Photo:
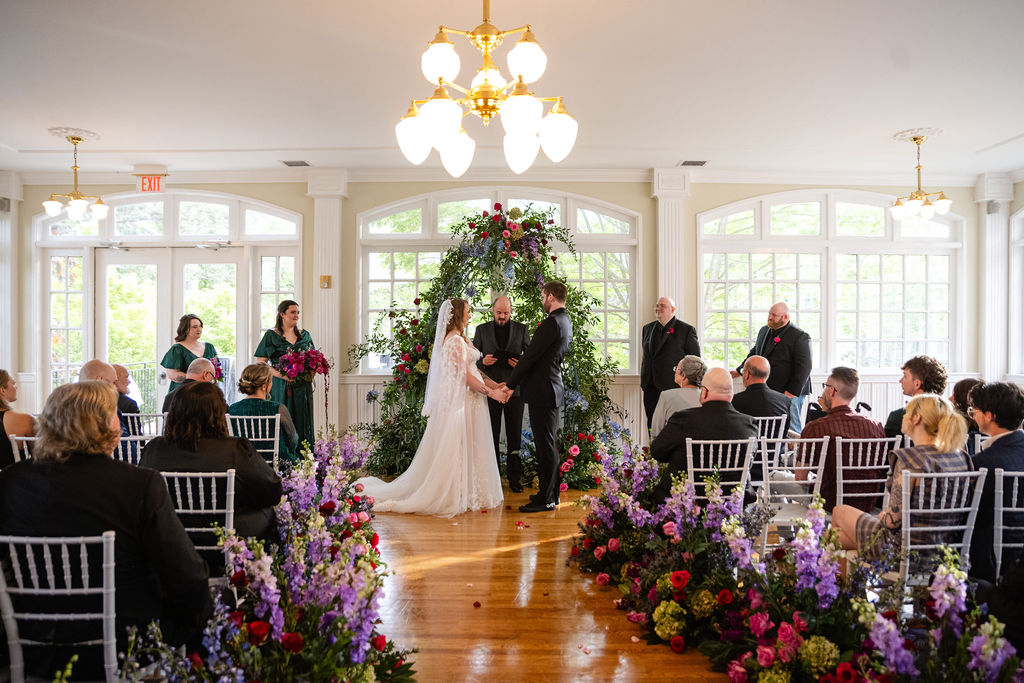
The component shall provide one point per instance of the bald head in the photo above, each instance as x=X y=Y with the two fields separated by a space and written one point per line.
x=756 y=370
x=97 y=369
x=201 y=370
x=502 y=310
x=664 y=310
x=717 y=384
x=122 y=378
x=778 y=315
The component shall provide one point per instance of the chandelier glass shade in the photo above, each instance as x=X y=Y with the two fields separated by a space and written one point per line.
x=436 y=123
x=920 y=203
x=78 y=204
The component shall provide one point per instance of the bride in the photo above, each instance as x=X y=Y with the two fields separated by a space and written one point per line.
x=454 y=468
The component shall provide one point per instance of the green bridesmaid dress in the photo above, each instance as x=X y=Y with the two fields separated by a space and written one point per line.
x=296 y=396
x=179 y=358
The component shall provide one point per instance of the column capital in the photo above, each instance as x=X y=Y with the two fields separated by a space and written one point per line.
x=670 y=183
x=327 y=182
x=993 y=187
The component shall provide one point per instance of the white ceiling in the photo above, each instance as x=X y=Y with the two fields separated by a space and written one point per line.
x=754 y=87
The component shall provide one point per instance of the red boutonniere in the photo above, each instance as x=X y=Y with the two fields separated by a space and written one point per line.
x=778 y=339
x=670 y=330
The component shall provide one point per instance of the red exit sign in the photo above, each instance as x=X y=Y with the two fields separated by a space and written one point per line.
x=150 y=183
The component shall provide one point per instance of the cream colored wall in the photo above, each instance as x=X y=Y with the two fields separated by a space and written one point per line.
x=1018 y=198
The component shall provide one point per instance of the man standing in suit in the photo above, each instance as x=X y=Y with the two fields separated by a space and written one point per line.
x=502 y=342
x=539 y=378
x=788 y=348
x=665 y=341
x=714 y=419
x=758 y=399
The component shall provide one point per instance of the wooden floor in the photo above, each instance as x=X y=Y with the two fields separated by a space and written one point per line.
x=538 y=619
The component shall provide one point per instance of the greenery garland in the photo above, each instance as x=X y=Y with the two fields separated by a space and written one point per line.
x=499 y=251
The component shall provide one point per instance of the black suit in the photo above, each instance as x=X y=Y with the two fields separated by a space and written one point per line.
x=758 y=400
x=1006 y=452
x=485 y=339
x=159 y=575
x=662 y=351
x=539 y=378
x=790 y=358
x=712 y=420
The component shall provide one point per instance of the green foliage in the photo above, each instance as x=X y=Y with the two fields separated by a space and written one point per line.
x=496 y=252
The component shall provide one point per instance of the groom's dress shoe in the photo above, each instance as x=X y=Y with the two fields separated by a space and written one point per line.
x=516 y=487
x=537 y=506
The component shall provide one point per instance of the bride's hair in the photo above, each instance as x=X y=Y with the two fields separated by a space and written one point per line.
x=459 y=309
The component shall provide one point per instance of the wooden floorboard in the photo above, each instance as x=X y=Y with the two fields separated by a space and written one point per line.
x=538 y=620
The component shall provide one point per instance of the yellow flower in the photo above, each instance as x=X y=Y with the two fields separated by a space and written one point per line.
x=422 y=366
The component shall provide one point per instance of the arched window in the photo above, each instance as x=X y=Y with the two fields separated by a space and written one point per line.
x=401 y=245
x=871 y=292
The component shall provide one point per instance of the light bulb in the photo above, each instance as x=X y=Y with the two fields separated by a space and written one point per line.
x=492 y=75
x=457 y=153
x=413 y=139
x=440 y=60
x=521 y=151
x=520 y=114
x=943 y=204
x=558 y=133
x=100 y=210
x=898 y=211
x=527 y=59
x=442 y=118
x=53 y=207
x=927 y=210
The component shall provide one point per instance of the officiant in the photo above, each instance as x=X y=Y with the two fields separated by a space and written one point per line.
x=501 y=343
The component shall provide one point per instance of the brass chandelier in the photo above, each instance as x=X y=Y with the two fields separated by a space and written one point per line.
x=79 y=203
x=919 y=202
x=436 y=122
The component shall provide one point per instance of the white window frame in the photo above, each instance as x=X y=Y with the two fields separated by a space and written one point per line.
x=431 y=239
x=1015 y=326
x=829 y=244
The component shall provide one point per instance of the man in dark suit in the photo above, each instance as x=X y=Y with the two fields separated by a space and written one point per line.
x=664 y=341
x=539 y=378
x=199 y=370
x=502 y=343
x=758 y=399
x=126 y=405
x=714 y=419
x=998 y=408
x=788 y=349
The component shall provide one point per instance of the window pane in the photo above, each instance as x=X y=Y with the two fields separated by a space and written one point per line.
x=58 y=310
x=260 y=223
x=761 y=265
x=714 y=266
x=802 y=218
x=593 y=266
x=810 y=267
x=65 y=227
x=203 y=218
x=405 y=265
x=740 y=223
x=592 y=222
x=380 y=295
x=915 y=226
x=714 y=227
x=380 y=265
x=859 y=220
x=131 y=313
x=429 y=264
x=619 y=352
x=268 y=273
x=785 y=266
x=870 y=267
x=268 y=310
x=58 y=273
x=450 y=213
x=739 y=266
x=404 y=223
x=210 y=293
x=539 y=206
x=146 y=218
x=74 y=310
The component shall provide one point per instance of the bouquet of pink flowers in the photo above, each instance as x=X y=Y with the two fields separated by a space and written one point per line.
x=302 y=366
x=218 y=369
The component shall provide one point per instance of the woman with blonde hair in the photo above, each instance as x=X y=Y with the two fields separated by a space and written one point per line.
x=939 y=433
x=72 y=487
x=454 y=468
x=255 y=384
x=12 y=423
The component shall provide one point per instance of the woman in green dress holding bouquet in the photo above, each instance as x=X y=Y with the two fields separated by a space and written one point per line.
x=186 y=349
x=296 y=393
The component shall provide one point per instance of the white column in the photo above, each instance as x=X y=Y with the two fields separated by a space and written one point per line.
x=327 y=187
x=993 y=194
x=671 y=187
x=10 y=246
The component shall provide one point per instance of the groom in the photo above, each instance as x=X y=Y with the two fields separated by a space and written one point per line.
x=539 y=378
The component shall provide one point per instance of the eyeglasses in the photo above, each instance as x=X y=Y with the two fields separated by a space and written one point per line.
x=970 y=411
x=826 y=385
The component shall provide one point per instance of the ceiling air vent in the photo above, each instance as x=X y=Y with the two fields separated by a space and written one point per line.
x=295 y=163
x=691 y=163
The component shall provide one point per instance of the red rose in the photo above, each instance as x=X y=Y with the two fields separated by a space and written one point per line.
x=414 y=322
x=472 y=225
x=391 y=314
x=374 y=540
x=476 y=604
x=590 y=438
x=551 y=221
x=484 y=234
x=380 y=642
x=597 y=480
x=401 y=331
x=239 y=579
x=196 y=661
x=554 y=258
x=581 y=436
x=679 y=579
x=778 y=339
x=724 y=596
x=497 y=206
x=484 y=214
x=778 y=554
x=334 y=550
x=495 y=218
x=258 y=631
x=236 y=618
x=588 y=543
x=827 y=678
x=597 y=457
x=405 y=356
x=544 y=242
x=328 y=508
x=574 y=551
x=679 y=596
x=677 y=644
x=292 y=642
x=416 y=301
x=845 y=673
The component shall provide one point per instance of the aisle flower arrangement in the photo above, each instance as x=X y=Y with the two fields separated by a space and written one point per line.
x=307 y=607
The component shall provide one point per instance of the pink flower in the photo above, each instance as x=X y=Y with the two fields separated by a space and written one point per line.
x=669 y=528
x=786 y=652
x=419 y=347
x=602 y=579
x=599 y=552
x=637 y=617
x=506 y=234
x=353 y=518
x=777 y=340
x=798 y=623
x=789 y=636
x=570 y=462
x=565 y=467
x=765 y=655
x=359 y=488
x=563 y=487
x=513 y=254
x=613 y=544
x=736 y=671
x=363 y=517
x=574 y=450
x=760 y=622
x=652 y=595
x=755 y=598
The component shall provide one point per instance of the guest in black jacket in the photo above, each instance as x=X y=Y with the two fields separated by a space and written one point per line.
x=758 y=399
x=196 y=440
x=72 y=487
x=998 y=408
x=664 y=343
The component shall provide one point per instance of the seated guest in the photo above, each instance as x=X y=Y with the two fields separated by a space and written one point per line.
x=195 y=439
x=12 y=423
x=689 y=373
x=72 y=487
x=938 y=433
x=97 y=370
x=838 y=393
x=758 y=399
x=961 y=391
x=921 y=375
x=714 y=419
x=998 y=408
x=255 y=384
x=126 y=405
x=199 y=370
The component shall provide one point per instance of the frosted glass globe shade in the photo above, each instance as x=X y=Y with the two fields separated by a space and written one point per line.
x=52 y=207
x=413 y=139
x=558 y=135
x=913 y=206
x=440 y=61
x=457 y=153
x=441 y=119
x=493 y=76
x=897 y=211
x=520 y=115
x=927 y=211
x=528 y=60
x=77 y=208
x=100 y=210
x=521 y=151
x=943 y=204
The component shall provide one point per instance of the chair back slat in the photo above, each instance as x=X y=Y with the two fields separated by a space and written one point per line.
x=129 y=448
x=792 y=479
x=730 y=458
x=145 y=424
x=770 y=427
x=862 y=468
x=197 y=502
x=262 y=430
x=1009 y=517
x=22 y=446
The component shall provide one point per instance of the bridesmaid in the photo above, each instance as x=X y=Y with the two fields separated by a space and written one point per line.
x=186 y=349
x=297 y=396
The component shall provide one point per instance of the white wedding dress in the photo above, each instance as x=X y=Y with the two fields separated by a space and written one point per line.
x=454 y=468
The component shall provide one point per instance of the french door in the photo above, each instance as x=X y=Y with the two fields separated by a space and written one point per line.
x=140 y=295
